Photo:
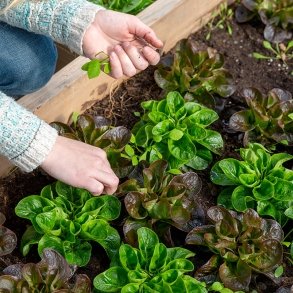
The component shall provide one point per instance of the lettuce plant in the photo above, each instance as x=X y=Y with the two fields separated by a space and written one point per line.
x=162 y=197
x=97 y=131
x=277 y=15
x=241 y=243
x=268 y=120
x=65 y=218
x=51 y=275
x=8 y=239
x=197 y=75
x=151 y=268
x=176 y=131
x=126 y=6
x=259 y=181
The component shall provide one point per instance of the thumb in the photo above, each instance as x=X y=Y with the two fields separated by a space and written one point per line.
x=139 y=29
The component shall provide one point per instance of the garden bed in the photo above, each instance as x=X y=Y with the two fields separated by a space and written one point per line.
x=246 y=71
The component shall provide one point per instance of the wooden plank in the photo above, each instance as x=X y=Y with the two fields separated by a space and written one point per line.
x=70 y=90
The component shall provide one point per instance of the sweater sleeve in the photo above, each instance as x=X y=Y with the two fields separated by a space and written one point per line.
x=24 y=139
x=65 y=21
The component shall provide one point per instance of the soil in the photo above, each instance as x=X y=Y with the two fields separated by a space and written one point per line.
x=121 y=105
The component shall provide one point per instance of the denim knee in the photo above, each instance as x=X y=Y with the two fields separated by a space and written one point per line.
x=27 y=60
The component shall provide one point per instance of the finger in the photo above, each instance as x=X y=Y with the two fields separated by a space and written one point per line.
x=135 y=56
x=127 y=66
x=146 y=33
x=109 y=180
x=93 y=186
x=116 y=68
x=151 y=55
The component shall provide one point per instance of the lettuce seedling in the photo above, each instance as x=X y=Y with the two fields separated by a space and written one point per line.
x=95 y=66
x=177 y=131
x=97 y=131
x=259 y=181
x=126 y=6
x=8 y=239
x=151 y=268
x=162 y=197
x=275 y=14
x=268 y=120
x=65 y=219
x=242 y=244
x=197 y=75
x=51 y=275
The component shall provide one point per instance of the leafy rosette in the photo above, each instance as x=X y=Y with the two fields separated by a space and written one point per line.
x=51 y=275
x=8 y=239
x=128 y=6
x=242 y=244
x=259 y=181
x=275 y=14
x=65 y=219
x=198 y=75
x=268 y=120
x=98 y=132
x=161 y=200
x=177 y=131
x=151 y=268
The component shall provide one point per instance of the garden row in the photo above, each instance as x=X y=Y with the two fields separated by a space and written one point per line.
x=159 y=199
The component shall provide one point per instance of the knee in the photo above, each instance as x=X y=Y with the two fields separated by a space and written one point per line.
x=31 y=69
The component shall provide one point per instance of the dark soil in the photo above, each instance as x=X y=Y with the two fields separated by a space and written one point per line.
x=121 y=105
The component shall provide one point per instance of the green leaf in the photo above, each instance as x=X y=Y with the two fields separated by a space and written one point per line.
x=182 y=149
x=29 y=207
x=176 y=134
x=129 y=257
x=112 y=280
x=93 y=68
x=147 y=240
x=241 y=197
x=78 y=253
x=279 y=271
x=204 y=117
x=29 y=238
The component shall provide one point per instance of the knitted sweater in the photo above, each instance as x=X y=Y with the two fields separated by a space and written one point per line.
x=25 y=139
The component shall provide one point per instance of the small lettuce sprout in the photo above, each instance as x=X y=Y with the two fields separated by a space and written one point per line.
x=221 y=19
x=95 y=66
x=161 y=200
x=177 y=131
x=51 y=275
x=275 y=14
x=259 y=181
x=242 y=244
x=126 y=6
x=197 y=75
x=8 y=239
x=98 y=132
x=269 y=119
x=66 y=219
x=151 y=268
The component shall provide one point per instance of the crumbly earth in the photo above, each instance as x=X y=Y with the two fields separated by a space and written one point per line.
x=120 y=107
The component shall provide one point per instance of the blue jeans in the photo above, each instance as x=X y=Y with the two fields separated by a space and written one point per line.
x=27 y=60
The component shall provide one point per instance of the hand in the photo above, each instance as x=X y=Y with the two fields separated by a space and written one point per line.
x=81 y=165
x=130 y=43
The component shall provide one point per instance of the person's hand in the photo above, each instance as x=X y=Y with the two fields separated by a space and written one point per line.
x=81 y=165
x=130 y=43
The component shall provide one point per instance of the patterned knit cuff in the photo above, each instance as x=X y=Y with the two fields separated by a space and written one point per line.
x=38 y=150
x=83 y=18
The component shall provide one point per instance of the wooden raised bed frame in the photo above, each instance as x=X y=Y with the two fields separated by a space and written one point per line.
x=70 y=90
